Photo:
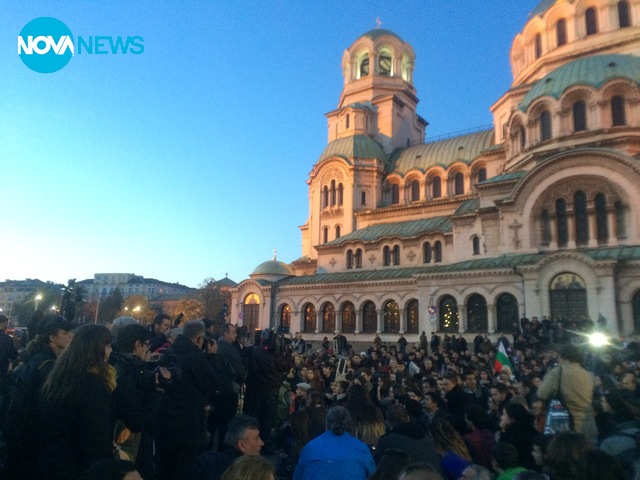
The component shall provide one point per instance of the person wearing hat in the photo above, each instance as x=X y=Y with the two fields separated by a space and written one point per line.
x=53 y=335
x=302 y=390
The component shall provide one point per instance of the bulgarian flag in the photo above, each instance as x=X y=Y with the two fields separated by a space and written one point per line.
x=501 y=359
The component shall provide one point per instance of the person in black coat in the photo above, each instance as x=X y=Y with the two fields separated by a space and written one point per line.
x=76 y=415
x=517 y=428
x=180 y=426
x=137 y=395
x=408 y=437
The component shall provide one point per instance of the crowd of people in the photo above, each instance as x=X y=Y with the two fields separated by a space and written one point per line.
x=195 y=401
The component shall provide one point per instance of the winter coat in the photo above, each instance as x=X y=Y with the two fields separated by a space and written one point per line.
x=410 y=438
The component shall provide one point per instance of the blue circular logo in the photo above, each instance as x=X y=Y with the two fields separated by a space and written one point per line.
x=45 y=45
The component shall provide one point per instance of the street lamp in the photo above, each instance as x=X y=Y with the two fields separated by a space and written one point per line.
x=38 y=298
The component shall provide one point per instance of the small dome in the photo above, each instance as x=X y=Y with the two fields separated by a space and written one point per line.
x=593 y=71
x=273 y=267
x=542 y=7
x=358 y=146
x=378 y=32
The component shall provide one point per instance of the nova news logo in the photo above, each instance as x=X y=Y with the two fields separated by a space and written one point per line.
x=46 y=45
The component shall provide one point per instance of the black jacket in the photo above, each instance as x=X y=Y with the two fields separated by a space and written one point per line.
x=211 y=465
x=182 y=410
x=230 y=367
x=410 y=438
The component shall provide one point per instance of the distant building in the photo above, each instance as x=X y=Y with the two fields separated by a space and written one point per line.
x=19 y=291
x=537 y=216
x=104 y=284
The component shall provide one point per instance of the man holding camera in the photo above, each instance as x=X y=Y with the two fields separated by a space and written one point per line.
x=232 y=373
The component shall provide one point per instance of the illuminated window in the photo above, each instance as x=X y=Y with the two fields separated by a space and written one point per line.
x=309 y=318
x=449 y=316
x=285 y=316
x=348 y=318
x=251 y=311
x=328 y=318
x=391 y=317
x=413 y=317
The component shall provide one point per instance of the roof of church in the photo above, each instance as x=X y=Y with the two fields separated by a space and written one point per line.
x=542 y=7
x=358 y=146
x=378 y=32
x=463 y=148
x=495 y=263
x=409 y=229
x=273 y=267
x=593 y=71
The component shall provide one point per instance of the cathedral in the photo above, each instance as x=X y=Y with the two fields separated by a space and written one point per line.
x=537 y=216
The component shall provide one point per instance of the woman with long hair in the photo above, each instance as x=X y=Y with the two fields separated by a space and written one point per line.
x=315 y=380
x=454 y=454
x=76 y=414
x=516 y=425
x=367 y=419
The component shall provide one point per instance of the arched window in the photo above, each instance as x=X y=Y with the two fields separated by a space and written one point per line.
x=348 y=318
x=337 y=231
x=333 y=192
x=251 y=312
x=346 y=122
x=561 y=32
x=369 y=318
x=545 y=125
x=426 y=252
x=413 y=317
x=523 y=139
x=449 y=316
x=438 y=251
x=415 y=191
x=386 y=256
x=396 y=255
x=475 y=241
x=507 y=312
x=546 y=227
x=538 y=45
x=458 y=183
x=325 y=234
x=436 y=187
x=325 y=197
x=482 y=174
x=285 y=316
x=340 y=193
x=580 y=214
x=621 y=229
x=359 y=258
x=349 y=259
x=391 y=317
x=591 y=21
x=477 y=314
x=395 y=194
x=623 y=14
x=364 y=67
x=618 y=117
x=363 y=198
x=579 y=116
x=328 y=318
x=309 y=324
x=601 y=218
x=384 y=64
x=561 y=222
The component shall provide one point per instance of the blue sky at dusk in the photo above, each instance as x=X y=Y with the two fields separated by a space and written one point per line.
x=189 y=160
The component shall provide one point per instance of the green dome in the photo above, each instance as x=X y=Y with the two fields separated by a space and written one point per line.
x=593 y=71
x=358 y=146
x=273 y=267
x=542 y=7
x=378 y=32
x=442 y=153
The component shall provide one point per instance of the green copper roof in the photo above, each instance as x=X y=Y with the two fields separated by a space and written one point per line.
x=273 y=267
x=443 y=152
x=409 y=229
x=378 y=32
x=593 y=71
x=542 y=7
x=504 y=262
x=358 y=146
x=505 y=177
x=469 y=206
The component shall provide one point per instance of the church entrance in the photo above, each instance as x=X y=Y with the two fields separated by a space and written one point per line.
x=568 y=298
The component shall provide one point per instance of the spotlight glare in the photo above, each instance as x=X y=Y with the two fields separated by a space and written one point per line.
x=598 y=339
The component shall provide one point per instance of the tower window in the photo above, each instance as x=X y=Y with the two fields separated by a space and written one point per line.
x=591 y=21
x=538 y=45
x=346 y=121
x=349 y=259
x=623 y=14
x=325 y=234
x=395 y=194
x=580 y=214
x=396 y=255
x=386 y=256
x=337 y=231
x=545 y=125
x=359 y=258
x=579 y=116
x=438 y=251
x=482 y=174
x=426 y=252
x=436 y=187
x=364 y=67
x=415 y=191
x=458 y=183
x=340 y=193
x=476 y=245
x=523 y=139
x=561 y=32
x=363 y=198
x=384 y=64
x=618 y=117
x=561 y=222
x=325 y=197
